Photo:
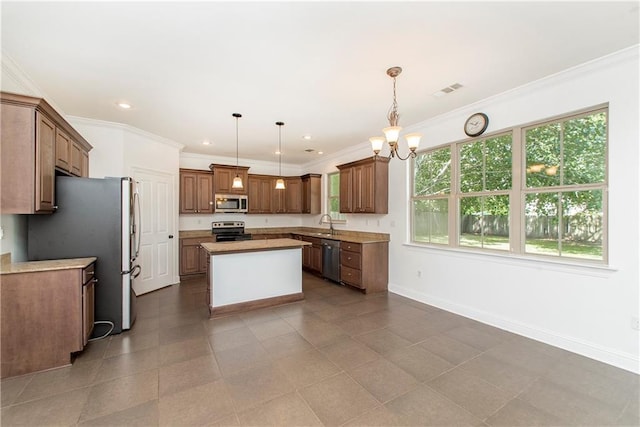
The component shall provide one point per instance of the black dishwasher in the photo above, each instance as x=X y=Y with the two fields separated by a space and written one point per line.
x=331 y=259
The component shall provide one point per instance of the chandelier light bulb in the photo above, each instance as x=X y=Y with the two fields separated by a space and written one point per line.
x=376 y=143
x=413 y=140
x=392 y=133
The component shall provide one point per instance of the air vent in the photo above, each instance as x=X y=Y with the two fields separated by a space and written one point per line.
x=446 y=90
x=309 y=150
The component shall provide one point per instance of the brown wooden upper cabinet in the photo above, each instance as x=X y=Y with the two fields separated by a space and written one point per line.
x=223 y=178
x=364 y=186
x=311 y=193
x=36 y=142
x=293 y=194
x=196 y=192
x=260 y=189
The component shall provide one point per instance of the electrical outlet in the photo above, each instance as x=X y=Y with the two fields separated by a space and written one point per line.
x=1 y=233
x=199 y=221
x=266 y=220
x=635 y=323
x=419 y=273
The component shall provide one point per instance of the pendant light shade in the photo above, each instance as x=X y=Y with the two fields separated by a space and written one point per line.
x=237 y=181
x=280 y=181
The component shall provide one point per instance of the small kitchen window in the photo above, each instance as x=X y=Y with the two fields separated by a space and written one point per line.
x=333 y=197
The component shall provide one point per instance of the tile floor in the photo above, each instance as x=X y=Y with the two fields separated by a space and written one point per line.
x=338 y=358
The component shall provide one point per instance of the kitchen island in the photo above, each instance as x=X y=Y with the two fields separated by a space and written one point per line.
x=251 y=274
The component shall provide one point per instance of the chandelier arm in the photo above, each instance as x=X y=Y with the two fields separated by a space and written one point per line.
x=412 y=154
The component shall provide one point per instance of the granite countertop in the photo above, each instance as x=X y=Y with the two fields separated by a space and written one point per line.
x=46 y=265
x=222 y=248
x=321 y=233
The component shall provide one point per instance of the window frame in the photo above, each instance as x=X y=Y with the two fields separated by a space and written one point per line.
x=517 y=194
x=341 y=218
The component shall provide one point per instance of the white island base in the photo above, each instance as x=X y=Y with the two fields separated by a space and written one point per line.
x=253 y=274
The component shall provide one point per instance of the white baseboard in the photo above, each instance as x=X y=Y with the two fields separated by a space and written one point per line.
x=626 y=361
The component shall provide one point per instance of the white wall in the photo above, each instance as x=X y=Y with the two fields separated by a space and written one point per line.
x=585 y=310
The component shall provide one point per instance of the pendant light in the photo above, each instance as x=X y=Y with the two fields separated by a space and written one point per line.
x=392 y=133
x=237 y=181
x=279 y=181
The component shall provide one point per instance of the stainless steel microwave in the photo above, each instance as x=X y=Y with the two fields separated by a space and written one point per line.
x=231 y=203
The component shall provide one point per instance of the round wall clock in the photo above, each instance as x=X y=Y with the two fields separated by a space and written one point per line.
x=476 y=124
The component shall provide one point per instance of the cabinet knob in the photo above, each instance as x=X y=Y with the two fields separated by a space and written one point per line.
x=55 y=208
x=171 y=236
x=349 y=258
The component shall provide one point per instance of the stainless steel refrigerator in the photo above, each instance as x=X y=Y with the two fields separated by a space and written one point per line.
x=95 y=217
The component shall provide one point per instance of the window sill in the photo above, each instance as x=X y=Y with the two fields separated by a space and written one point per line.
x=565 y=266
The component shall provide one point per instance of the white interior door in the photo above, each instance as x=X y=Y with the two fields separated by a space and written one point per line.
x=156 y=257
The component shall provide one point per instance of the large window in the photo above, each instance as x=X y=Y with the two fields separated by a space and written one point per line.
x=536 y=190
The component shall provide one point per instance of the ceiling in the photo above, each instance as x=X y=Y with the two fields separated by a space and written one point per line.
x=318 y=66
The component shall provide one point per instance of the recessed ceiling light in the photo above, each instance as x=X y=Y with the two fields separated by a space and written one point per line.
x=278 y=153
x=307 y=137
x=320 y=152
x=124 y=105
x=206 y=142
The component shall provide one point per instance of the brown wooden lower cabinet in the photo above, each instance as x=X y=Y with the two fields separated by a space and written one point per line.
x=311 y=255
x=46 y=316
x=365 y=265
x=193 y=259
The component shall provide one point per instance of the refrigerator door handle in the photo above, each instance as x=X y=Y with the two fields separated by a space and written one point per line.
x=134 y=272
x=137 y=227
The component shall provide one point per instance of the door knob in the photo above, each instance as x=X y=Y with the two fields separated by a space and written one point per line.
x=171 y=236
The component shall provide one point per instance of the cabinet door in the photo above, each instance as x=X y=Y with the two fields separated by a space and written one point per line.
x=188 y=192
x=316 y=258
x=63 y=149
x=76 y=159
x=204 y=257
x=45 y=164
x=204 y=193
x=293 y=189
x=265 y=194
x=189 y=259
x=84 y=165
x=278 y=199
x=346 y=193
x=306 y=256
x=254 y=193
x=223 y=179
x=367 y=188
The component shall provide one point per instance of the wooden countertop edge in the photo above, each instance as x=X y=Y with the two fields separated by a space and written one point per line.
x=46 y=265
x=245 y=246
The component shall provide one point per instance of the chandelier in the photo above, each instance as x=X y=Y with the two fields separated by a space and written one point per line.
x=279 y=181
x=237 y=181
x=392 y=133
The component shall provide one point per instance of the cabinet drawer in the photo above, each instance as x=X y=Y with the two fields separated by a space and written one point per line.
x=350 y=259
x=353 y=247
x=88 y=273
x=351 y=276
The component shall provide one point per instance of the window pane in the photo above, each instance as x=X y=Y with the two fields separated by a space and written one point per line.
x=334 y=207
x=584 y=149
x=542 y=145
x=582 y=224
x=541 y=221
x=432 y=173
x=486 y=165
x=484 y=222
x=334 y=184
x=431 y=221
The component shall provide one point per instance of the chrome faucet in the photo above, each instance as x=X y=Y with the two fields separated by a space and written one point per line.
x=330 y=223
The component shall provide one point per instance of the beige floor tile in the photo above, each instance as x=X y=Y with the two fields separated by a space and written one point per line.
x=418 y=362
x=383 y=379
x=10 y=388
x=423 y=406
x=320 y=333
x=145 y=325
x=198 y=405
x=519 y=413
x=306 y=368
x=270 y=329
x=221 y=324
x=285 y=345
x=411 y=331
x=61 y=409
x=474 y=337
x=451 y=350
x=183 y=350
x=338 y=399
x=500 y=373
x=128 y=364
x=259 y=316
x=190 y=373
x=348 y=353
x=181 y=333
x=254 y=386
x=367 y=322
x=569 y=406
x=287 y=410
x=231 y=420
x=524 y=355
x=143 y=415
x=130 y=343
x=120 y=394
x=94 y=350
x=380 y=416
x=233 y=338
x=470 y=392
x=243 y=357
x=59 y=380
x=383 y=341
